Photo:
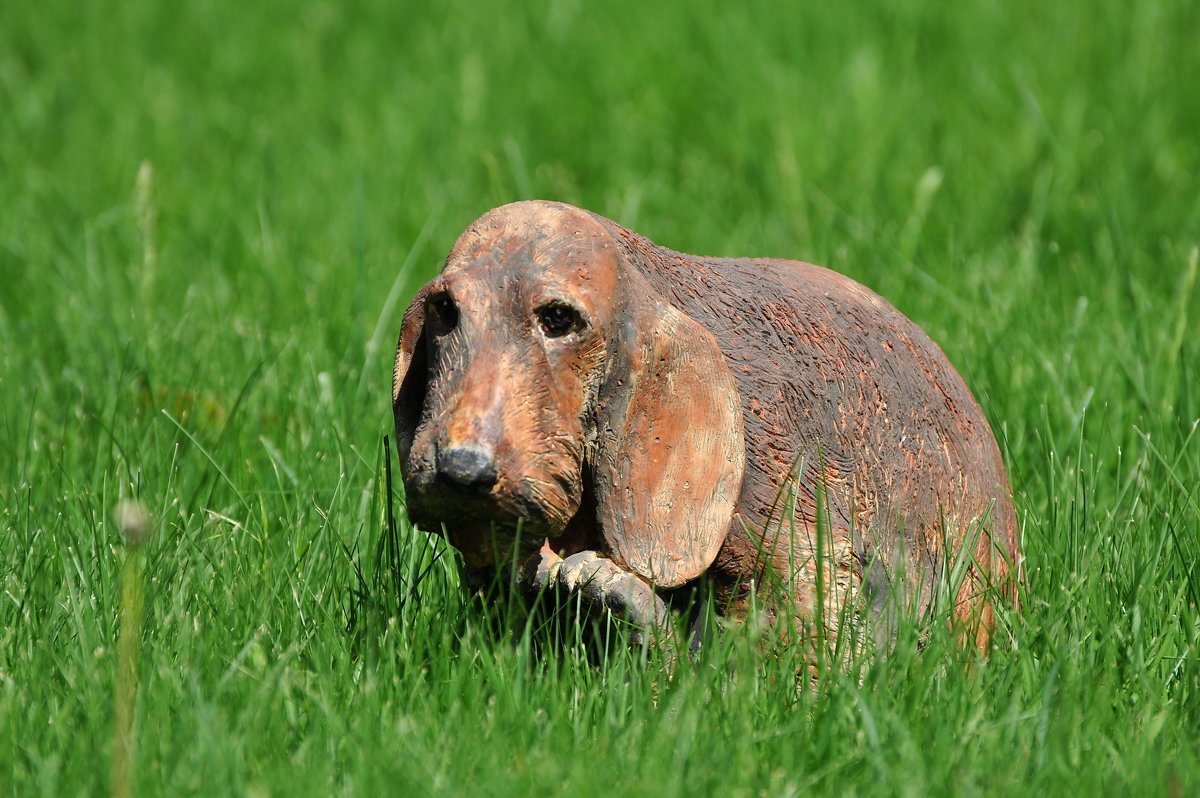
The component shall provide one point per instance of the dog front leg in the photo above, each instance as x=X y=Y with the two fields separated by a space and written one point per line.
x=603 y=584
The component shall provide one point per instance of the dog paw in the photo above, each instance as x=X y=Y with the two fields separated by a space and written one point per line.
x=602 y=583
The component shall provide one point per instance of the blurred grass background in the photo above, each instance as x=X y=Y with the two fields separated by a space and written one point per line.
x=212 y=216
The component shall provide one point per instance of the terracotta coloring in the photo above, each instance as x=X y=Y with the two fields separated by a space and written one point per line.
x=649 y=417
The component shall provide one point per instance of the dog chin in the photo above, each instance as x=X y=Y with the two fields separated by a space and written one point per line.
x=490 y=529
x=483 y=535
x=494 y=545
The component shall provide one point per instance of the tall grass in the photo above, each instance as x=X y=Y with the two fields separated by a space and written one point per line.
x=212 y=215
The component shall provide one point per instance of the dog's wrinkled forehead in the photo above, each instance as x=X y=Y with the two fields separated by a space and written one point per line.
x=532 y=251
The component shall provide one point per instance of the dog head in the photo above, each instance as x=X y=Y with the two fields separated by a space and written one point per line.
x=539 y=379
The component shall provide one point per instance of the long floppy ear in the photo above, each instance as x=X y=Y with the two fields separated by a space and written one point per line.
x=670 y=452
x=410 y=375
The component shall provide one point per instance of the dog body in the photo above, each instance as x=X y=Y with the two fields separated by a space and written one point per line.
x=652 y=416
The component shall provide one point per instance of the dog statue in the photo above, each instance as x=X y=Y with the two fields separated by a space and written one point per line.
x=617 y=419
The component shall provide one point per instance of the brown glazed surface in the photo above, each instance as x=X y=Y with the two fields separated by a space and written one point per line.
x=699 y=416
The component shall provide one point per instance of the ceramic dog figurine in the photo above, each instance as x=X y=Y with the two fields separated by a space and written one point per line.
x=646 y=417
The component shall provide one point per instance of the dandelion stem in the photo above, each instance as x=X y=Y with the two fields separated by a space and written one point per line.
x=134 y=524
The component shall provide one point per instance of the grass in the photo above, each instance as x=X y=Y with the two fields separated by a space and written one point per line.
x=212 y=216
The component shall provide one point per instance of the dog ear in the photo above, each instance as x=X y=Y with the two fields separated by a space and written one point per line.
x=410 y=375
x=669 y=452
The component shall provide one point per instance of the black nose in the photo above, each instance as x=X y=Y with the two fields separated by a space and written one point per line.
x=469 y=466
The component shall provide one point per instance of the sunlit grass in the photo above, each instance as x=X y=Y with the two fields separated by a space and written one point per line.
x=212 y=216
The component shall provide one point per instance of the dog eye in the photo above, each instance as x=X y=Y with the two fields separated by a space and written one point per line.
x=442 y=313
x=558 y=319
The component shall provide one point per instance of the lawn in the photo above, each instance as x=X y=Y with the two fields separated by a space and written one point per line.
x=212 y=216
